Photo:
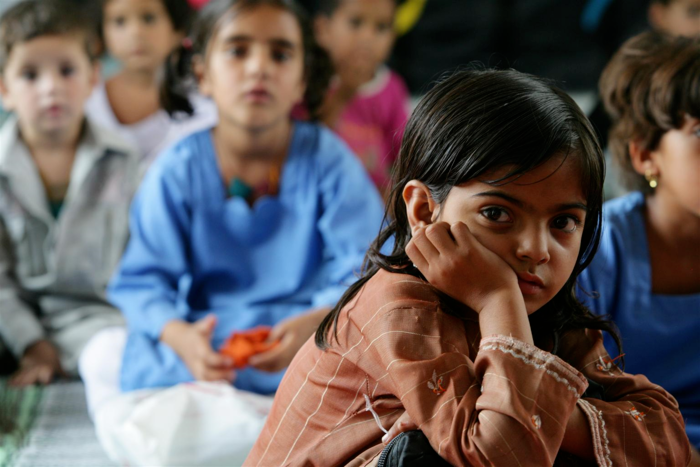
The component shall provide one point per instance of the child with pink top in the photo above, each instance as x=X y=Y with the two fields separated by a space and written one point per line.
x=368 y=103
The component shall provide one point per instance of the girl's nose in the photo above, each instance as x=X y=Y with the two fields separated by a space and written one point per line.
x=259 y=62
x=533 y=246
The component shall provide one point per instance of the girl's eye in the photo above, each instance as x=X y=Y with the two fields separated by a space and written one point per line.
x=355 y=23
x=383 y=27
x=280 y=55
x=693 y=12
x=67 y=70
x=149 y=18
x=696 y=132
x=29 y=75
x=496 y=215
x=119 y=21
x=567 y=224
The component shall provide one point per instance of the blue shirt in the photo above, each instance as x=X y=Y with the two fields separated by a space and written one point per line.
x=193 y=251
x=660 y=333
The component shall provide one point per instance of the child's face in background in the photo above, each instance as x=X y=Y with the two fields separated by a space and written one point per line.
x=254 y=67
x=677 y=162
x=533 y=223
x=139 y=33
x=360 y=32
x=679 y=17
x=46 y=81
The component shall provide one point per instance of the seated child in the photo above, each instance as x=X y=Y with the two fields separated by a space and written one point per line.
x=259 y=220
x=65 y=188
x=471 y=326
x=368 y=103
x=646 y=275
x=140 y=35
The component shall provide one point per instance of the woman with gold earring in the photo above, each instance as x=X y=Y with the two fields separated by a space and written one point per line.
x=646 y=273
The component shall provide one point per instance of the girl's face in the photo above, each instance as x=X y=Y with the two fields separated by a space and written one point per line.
x=676 y=160
x=534 y=224
x=679 y=17
x=254 y=67
x=139 y=33
x=360 y=31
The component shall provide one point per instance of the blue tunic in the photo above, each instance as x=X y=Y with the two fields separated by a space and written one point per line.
x=661 y=333
x=193 y=251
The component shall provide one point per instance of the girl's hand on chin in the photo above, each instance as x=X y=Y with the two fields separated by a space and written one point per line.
x=456 y=263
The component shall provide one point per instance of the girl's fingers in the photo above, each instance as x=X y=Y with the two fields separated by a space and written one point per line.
x=404 y=423
x=218 y=361
x=424 y=244
x=440 y=236
x=276 y=358
x=416 y=256
x=218 y=375
x=460 y=232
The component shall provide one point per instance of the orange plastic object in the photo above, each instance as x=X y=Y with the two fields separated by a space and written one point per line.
x=243 y=345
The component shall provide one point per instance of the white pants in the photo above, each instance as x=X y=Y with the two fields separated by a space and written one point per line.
x=100 y=366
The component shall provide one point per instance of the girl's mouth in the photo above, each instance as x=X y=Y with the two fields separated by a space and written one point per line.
x=529 y=288
x=258 y=96
x=529 y=284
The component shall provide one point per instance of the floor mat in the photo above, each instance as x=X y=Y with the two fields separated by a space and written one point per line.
x=18 y=409
x=62 y=434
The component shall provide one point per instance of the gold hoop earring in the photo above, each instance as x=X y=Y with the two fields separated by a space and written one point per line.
x=652 y=178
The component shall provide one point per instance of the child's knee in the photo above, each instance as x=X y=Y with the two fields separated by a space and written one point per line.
x=102 y=354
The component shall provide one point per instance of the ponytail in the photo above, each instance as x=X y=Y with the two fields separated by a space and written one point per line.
x=178 y=81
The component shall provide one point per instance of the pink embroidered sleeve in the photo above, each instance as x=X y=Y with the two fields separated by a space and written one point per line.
x=638 y=422
x=507 y=407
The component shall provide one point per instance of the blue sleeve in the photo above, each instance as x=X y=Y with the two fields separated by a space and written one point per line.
x=350 y=220
x=598 y=283
x=145 y=286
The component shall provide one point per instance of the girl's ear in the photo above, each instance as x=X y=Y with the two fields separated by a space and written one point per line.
x=642 y=159
x=420 y=205
x=657 y=15
x=5 y=97
x=321 y=27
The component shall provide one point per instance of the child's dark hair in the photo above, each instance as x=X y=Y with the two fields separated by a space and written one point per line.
x=180 y=13
x=328 y=7
x=30 y=19
x=648 y=87
x=178 y=80
x=470 y=124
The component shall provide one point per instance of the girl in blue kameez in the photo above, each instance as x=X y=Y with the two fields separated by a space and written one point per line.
x=646 y=273
x=260 y=220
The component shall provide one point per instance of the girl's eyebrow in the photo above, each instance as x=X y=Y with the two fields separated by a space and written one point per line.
x=277 y=42
x=527 y=206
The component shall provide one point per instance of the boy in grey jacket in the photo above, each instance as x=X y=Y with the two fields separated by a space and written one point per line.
x=65 y=188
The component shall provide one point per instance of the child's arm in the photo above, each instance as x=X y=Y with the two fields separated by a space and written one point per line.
x=638 y=422
x=145 y=287
x=506 y=406
x=20 y=328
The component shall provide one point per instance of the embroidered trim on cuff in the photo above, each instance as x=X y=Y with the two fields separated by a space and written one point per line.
x=598 y=432
x=531 y=355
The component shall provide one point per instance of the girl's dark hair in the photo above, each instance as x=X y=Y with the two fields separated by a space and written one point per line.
x=179 y=80
x=473 y=123
x=180 y=13
x=30 y=19
x=648 y=87
x=328 y=7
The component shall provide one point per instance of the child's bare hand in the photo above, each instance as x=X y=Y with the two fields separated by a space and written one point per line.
x=292 y=333
x=39 y=364
x=452 y=260
x=192 y=342
x=404 y=423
